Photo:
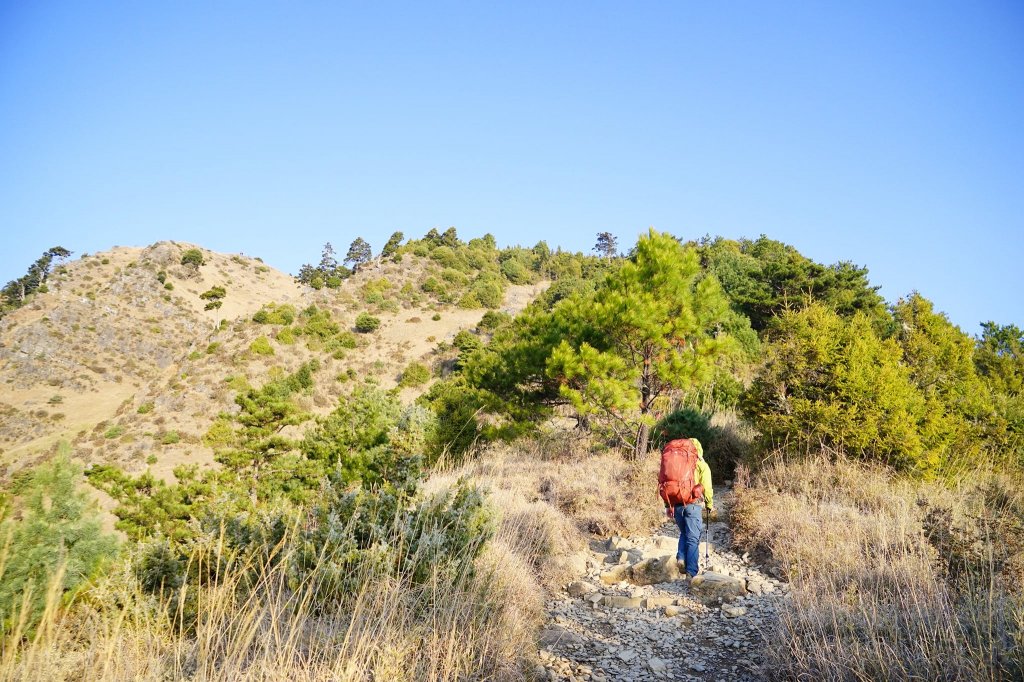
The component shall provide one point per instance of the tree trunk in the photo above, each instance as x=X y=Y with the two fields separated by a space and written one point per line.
x=642 y=441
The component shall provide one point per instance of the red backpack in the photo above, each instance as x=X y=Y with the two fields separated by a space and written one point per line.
x=677 y=473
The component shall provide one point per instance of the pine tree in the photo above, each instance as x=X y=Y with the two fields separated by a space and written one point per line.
x=359 y=253
x=58 y=528
x=16 y=291
x=328 y=261
x=259 y=442
x=648 y=331
x=392 y=245
x=607 y=245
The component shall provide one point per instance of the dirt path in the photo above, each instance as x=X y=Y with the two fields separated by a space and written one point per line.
x=632 y=618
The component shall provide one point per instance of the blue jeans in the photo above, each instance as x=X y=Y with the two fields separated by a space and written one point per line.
x=691 y=525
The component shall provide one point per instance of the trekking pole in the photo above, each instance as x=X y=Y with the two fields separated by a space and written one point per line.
x=707 y=534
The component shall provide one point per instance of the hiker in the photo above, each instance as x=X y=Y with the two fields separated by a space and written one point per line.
x=685 y=487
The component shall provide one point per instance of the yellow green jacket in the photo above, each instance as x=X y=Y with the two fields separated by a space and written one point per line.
x=703 y=475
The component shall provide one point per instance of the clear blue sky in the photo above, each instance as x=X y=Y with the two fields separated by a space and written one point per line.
x=890 y=134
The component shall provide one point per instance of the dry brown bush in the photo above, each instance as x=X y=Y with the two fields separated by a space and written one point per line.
x=878 y=592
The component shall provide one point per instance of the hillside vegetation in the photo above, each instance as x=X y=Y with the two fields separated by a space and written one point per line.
x=382 y=467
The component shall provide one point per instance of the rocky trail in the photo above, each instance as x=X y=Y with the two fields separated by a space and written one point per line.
x=632 y=616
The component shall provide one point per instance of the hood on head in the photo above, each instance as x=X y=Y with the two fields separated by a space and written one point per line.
x=700 y=448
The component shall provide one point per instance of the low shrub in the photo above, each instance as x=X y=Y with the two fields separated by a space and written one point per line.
x=261 y=346
x=416 y=374
x=366 y=323
x=192 y=257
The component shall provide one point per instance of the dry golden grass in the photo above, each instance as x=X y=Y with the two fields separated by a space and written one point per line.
x=551 y=490
x=888 y=583
x=254 y=623
x=481 y=626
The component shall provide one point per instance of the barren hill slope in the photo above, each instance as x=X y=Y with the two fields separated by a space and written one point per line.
x=123 y=357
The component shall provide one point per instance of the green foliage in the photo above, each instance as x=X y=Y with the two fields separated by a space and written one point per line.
x=651 y=328
x=214 y=297
x=55 y=528
x=273 y=313
x=360 y=535
x=286 y=336
x=366 y=323
x=455 y=405
x=607 y=245
x=259 y=461
x=454 y=277
x=318 y=324
x=368 y=437
x=261 y=346
x=999 y=357
x=213 y=293
x=683 y=422
x=415 y=374
x=377 y=292
x=391 y=247
x=327 y=272
x=169 y=438
x=493 y=319
x=220 y=434
x=148 y=505
x=516 y=271
x=359 y=253
x=489 y=289
x=763 y=277
x=192 y=258
x=833 y=382
x=14 y=293
x=114 y=431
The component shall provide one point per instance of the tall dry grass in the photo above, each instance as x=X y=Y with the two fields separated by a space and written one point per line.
x=255 y=622
x=562 y=486
x=892 y=580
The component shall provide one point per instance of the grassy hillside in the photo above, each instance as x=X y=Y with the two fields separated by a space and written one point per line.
x=392 y=470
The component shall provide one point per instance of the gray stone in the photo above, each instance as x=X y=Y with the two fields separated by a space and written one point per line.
x=665 y=542
x=657 y=602
x=595 y=599
x=733 y=611
x=711 y=586
x=671 y=611
x=619 y=602
x=653 y=571
x=579 y=589
x=657 y=665
x=554 y=635
x=617 y=574
x=616 y=543
x=626 y=655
